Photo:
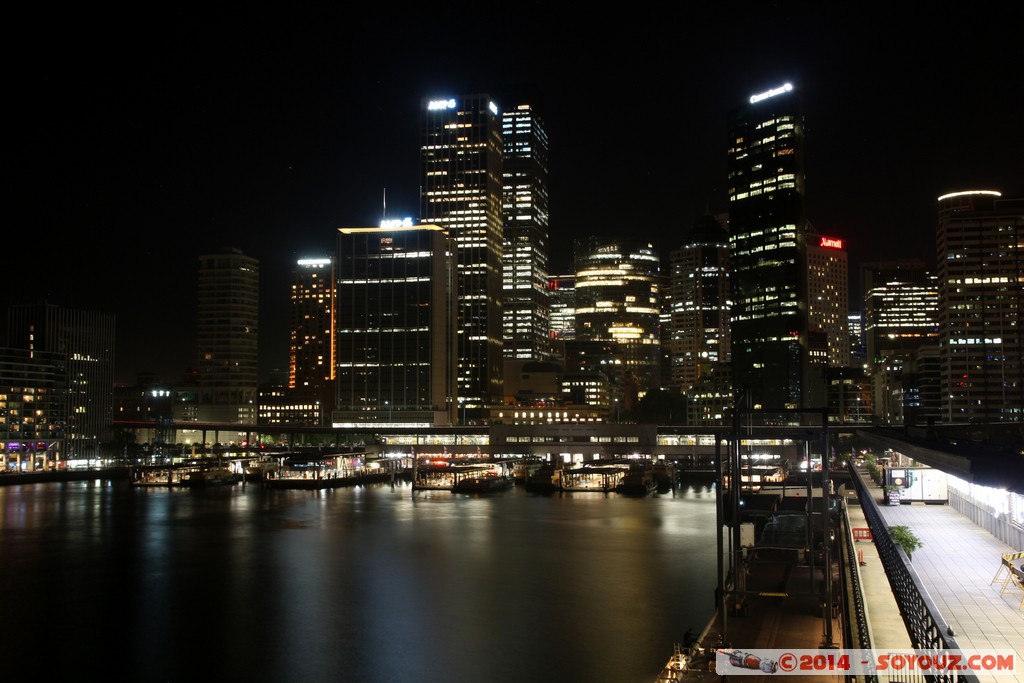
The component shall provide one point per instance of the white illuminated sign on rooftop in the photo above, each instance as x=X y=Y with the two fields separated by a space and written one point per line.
x=440 y=104
x=493 y=107
x=991 y=193
x=392 y=223
x=314 y=262
x=771 y=93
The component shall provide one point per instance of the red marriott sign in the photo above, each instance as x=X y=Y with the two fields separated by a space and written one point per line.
x=831 y=243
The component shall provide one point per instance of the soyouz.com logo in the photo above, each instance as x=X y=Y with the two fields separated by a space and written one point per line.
x=758 y=662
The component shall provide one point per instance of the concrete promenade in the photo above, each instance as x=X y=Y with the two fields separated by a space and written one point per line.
x=957 y=564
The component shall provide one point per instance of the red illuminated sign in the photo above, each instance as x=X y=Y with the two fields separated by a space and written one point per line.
x=831 y=243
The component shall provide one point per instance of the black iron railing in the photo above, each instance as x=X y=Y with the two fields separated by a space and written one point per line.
x=926 y=626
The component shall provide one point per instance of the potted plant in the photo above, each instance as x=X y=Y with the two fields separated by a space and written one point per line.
x=906 y=539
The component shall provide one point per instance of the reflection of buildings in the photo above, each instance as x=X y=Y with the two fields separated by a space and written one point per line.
x=461 y=191
x=76 y=349
x=617 y=303
x=525 y=251
x=981 y=295
x=395 y=326
x=767 y=228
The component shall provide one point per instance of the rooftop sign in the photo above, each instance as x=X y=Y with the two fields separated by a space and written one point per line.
x=771 y=93
x=440 y=104
x=831 y=243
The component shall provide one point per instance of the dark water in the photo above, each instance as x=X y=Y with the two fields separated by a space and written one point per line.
x=359 y=584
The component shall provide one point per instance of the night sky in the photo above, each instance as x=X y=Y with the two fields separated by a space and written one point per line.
x=137 y=142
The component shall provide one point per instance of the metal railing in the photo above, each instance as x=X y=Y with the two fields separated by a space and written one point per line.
x=926 y=626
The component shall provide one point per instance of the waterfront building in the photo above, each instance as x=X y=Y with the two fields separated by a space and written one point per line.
x=81 y=342
x=699 y=304
x=461 y=191
x=981 y=299
x=227 y=338
x=617 y=303
x=33 y=408
x=396 y=326
x=311 y=348
x=767 y=236
x=525 y=307
x=311 y=336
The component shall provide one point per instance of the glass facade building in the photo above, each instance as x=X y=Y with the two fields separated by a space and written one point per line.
x=525 y=247
x=395 y=325
x=767 y=232
x=461 y=191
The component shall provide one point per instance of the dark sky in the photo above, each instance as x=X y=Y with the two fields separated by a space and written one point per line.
x=137 y=142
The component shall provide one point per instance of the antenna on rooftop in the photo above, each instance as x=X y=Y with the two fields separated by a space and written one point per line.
x=385 y=214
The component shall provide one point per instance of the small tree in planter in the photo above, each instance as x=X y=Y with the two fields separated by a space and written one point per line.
x=906 y=539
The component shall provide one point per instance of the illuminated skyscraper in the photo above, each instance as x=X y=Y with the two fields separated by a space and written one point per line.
x=70 y=352
x=617 y=303
x=461 y=191
x=227 y=337
x=525 y=252
x=699 y=304
x=981 y=306
x=901 y=308
x=828 y=298
x=767 y=233
x=395 y=326
x=311 y=349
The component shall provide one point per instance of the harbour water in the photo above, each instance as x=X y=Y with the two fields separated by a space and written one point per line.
x=365 y=584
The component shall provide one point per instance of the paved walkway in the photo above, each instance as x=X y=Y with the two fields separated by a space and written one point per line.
x=956 y=564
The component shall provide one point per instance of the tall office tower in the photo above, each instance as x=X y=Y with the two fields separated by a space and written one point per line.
x=901 y=307
x=617 y=301
x=562 y=295
x=227 y=337
x=767 y=227
x=461 y=177
x=858 y=352
x=699 y=304
x=901 y=316
x=396 y=326
x=525 y=247
x=828 y=297
x=311 y=351
x=981 y=300
x=84 y=341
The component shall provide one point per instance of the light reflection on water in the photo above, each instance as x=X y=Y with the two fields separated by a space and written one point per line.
x=367 y=584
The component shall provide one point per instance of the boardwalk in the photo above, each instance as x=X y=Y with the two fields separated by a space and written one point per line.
x=957 y=564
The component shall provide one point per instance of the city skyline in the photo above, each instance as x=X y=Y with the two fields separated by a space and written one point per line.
x=133 y=155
